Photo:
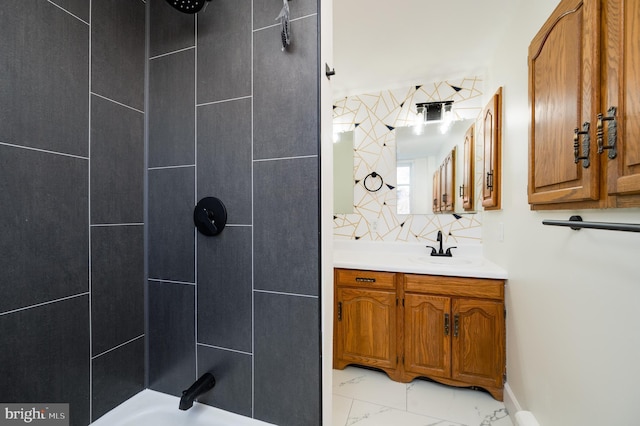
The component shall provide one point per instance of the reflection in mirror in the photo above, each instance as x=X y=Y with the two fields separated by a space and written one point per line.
x=420 y=150
x=343 y=172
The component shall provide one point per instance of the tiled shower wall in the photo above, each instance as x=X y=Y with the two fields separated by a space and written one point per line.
x=71 y=203
x=233 y=116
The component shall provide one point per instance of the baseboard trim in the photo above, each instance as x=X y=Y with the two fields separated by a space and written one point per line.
x=511 y=403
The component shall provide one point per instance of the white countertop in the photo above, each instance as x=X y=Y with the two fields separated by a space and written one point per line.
x=467 y=261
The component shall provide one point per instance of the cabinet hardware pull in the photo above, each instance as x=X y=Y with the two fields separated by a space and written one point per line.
x=586 y=145
x=365 y=280
x=339 y=311
x=462 y=191
x=490 y=180
x=612 y=133
x=456 y=325
x=446 y=324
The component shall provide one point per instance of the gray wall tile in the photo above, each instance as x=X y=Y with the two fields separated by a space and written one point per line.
x=170 y=30
x=44 y=101
x=224 y=156
x=224 y=51
x=44 y=227
x=233 y=373
x=172 y=109
x=171 y=229
x=172 y=339
x=286 y=92
x=117 y=51
x=45 y=356
x=117 y=163
x=117 y=285
x=117 y=376
x=287 y=360
x=286 y=229
x=266 y=11
x=225 y=289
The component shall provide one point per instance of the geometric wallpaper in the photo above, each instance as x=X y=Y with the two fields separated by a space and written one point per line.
x=373 y=119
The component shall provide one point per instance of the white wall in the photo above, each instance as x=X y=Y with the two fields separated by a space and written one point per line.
x=573 y=297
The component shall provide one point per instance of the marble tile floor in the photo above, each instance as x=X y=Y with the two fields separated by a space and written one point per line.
x=364 y=397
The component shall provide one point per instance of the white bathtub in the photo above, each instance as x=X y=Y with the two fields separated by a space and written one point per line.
x=158 y=409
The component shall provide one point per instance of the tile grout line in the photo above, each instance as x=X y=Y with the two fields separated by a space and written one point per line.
x=195 y=186
x=46 y=151
x=253 y=303
x=69 y=13
x=117 y=347
x=49 y=302
x=90 y=266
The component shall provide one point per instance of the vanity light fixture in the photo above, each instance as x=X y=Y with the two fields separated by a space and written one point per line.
x=435 y=112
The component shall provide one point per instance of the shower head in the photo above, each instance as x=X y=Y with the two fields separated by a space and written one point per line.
x=188 y=6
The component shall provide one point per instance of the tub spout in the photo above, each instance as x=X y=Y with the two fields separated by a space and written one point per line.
x=204 y=384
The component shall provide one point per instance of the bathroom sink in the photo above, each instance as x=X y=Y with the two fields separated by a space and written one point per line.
x=447 y=261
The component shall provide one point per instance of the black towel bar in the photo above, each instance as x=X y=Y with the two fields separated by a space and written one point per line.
x=576 y=223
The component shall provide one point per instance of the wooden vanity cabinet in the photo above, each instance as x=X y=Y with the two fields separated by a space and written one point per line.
x=365 y=324
x=584 y=80
x=449 y=329
x=455 y=331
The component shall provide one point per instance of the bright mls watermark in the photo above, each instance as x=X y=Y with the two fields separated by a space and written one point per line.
x=34 y=414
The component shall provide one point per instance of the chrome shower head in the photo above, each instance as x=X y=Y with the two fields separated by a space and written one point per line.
x=188 y=6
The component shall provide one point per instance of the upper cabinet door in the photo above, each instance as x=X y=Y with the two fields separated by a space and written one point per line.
x=622 y=85
x=491 y=134
x=563 y=95
x=447 y=182
x=466 y=190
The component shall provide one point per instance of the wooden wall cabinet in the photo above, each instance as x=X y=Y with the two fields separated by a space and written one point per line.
x=449 y=329
x=491 y=137
x=584 y=95
x=468 y=169
x=444 y=185
x=437 y=191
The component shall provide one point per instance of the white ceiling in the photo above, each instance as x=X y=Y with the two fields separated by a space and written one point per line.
x=388 y=44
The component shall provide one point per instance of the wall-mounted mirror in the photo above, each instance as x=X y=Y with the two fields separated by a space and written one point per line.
x=420 y=151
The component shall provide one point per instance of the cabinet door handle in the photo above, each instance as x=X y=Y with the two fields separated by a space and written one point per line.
x=462 y=191
x=456 y=325
x=586 y=145
x=339 y=311
x=446 y=324
x=365 y=280
x=490 y=180
x=612 y=133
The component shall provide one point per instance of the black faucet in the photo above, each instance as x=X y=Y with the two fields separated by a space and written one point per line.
x=204 y=384
x=440 y=252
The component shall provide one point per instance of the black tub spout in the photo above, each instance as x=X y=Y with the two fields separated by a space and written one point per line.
x=204 y=384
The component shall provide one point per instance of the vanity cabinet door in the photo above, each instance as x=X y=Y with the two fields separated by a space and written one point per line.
x=478 y=344
x=622 y=76
x=365 y=328
x=491 y=134
x=427 y=343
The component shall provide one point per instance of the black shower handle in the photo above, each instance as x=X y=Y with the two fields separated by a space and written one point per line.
x=205 y=219
x=210 y=216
